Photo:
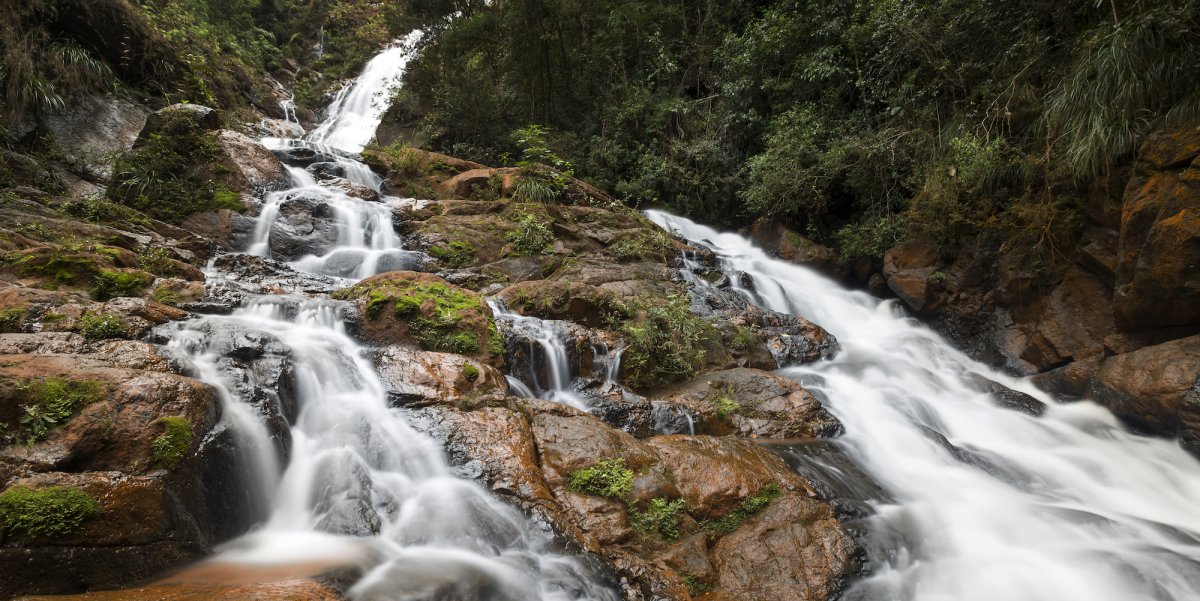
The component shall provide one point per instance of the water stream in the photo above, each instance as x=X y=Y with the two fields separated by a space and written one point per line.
x=982 y=503
x=349 y=481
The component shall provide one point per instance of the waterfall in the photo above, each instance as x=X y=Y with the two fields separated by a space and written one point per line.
x=985 y=503
x=346 y=479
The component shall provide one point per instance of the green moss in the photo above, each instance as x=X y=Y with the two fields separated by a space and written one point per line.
x=169 y=449
x=531 y=236
x=48 y=403
x=98 y=326
x=440 y=317
x=725 y=405
x=645 y=245
x=743 y=339
x=456 y=253
x=45 y=512
x=111 y=283
x=608 y=478
x=11 y=318
x=661 y=517
x=62 y=266
x=747 y=509
x=470 y=372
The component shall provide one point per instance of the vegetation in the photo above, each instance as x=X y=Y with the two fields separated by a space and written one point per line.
x=45 y=512
x=111 y=283
x=665 y=341
x=661 y=517
x=470 y=372
x=531 y=236
x=455 y=254
x=11 y=318
x=170 y=447
x=48 y=403
x=173 y=172
x=98 y=326
x=744 y=511
x=609 y=478
x=859 y=123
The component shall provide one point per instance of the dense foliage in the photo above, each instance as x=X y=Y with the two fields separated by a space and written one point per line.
x=858 y=123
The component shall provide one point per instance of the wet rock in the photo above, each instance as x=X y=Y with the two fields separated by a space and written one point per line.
x=205 y=117
x=617 y=406
x=791 y=246
x=751 y=402
x=351 y=189
x=1007 y=397
x=1156 y=389
x=790 y=339
x=307 y=225
x=415 y=377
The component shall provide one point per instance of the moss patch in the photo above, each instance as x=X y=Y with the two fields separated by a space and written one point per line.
x=661 y=516
x=665 y=341
x=44 y=512
x=112 y=283
x=455 y=254
x=608 y=478
x=11 y=318
x=49 y=403
x=169 y=449
x=651 y=244
x=99 y=326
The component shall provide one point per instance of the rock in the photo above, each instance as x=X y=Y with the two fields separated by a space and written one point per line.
x=1158 y=259
x=253 y=167
x=1075 y=319
x=1156 y=389
x=791 y=246
x=1007 y=397
x=754 y=403
x=461 y=185
x=95 y=129
x=908 y=268
x=307 y=225
x=421 y=310
x=352 y=189
x=420 y=377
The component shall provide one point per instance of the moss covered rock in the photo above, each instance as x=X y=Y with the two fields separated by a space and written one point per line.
x=419 y=308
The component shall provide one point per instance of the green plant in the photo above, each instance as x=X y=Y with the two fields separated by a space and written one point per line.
x=608 y=478
x=164 y=295
x=45 y=512
x=109 y=283
x=695 y=586
x=531 y=236
x=470 y=372
x=665 y=340
x=158 y=260
x=48 y=403
x=98 y=326
x=11 y=318
x=456 y=253
x=661 y=517
x=745 y=510
x=937 y=277
x=648 y=244
x=724 y=404
x=743 y=339
x=170 y=447
x=441 y=317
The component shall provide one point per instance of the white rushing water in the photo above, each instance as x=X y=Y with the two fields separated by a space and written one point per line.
x=1063 y=507
x=357 y=109
x=359 y=485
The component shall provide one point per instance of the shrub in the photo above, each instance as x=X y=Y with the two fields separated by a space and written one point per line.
x=44 y=512
x=665 y=341
x=11 y=318
x=98 y=326
x=531 y=236
x=744 y=338
x=650 y=244
x=169 y=449
x=48 y=403
x=608 y=478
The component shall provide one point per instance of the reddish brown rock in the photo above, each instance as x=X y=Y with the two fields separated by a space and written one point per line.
x=415 y=377
x=908 y=268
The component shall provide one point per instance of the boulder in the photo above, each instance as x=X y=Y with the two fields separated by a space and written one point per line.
x=93 y=131
x=1156 y=389
x=251 y=165
x=415 y=377
x=908 y=268
x=1158 y=258
x=752 y=403
x=207 y=118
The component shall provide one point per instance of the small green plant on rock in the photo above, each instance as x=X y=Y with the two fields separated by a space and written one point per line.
x=743 y=339
x=45 y=512
x=99 y=326
x=470 y=372
x=661 y=517
x=695 y=586
x=665 y=341
x=169 y=449
x=724 y=404
x=608 y=478
x=531 y=236
x=48 y=403
x=158 y=260
x=11 y=318
x=748 y=508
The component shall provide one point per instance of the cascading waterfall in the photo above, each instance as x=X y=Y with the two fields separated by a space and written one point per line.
x=1064 y=507
x=360 y=486
x=547 y=345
